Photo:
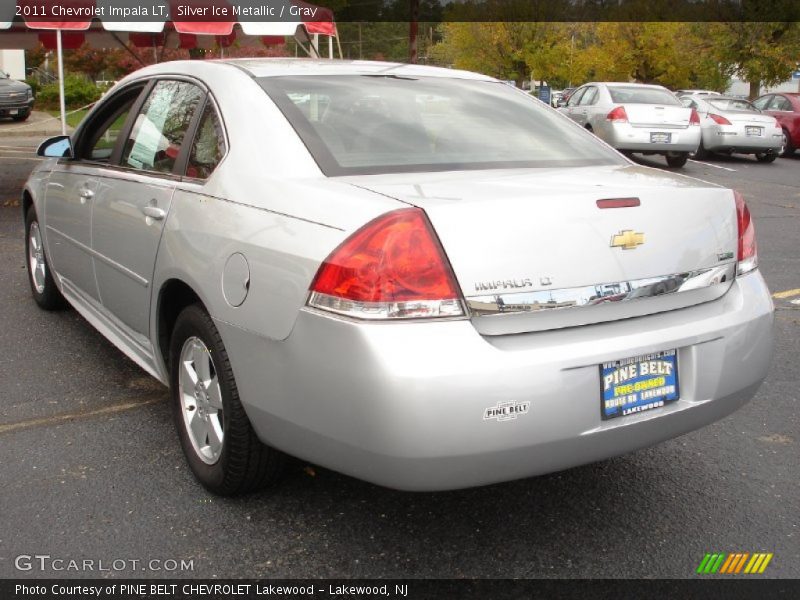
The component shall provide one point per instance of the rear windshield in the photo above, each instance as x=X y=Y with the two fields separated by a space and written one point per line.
x=637 y=95
x=366 y=124
x=731 y=104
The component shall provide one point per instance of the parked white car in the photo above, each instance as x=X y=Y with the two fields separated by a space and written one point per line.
x=733 y=125
x=634 y=117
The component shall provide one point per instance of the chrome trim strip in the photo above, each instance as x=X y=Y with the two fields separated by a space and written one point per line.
x=95 y=254
x=592 y=295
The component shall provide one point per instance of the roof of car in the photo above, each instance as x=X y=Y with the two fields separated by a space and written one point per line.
x=274 y=67
x=706 y=97
x=624 y=84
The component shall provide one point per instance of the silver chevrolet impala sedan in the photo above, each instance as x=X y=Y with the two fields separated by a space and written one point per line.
x=420 y=277
x=635 y=117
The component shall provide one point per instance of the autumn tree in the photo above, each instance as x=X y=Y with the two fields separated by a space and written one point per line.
x=759 y=53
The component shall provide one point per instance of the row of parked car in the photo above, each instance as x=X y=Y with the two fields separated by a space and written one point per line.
x=650 y=119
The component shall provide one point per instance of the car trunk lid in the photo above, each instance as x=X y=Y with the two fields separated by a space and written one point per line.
x=655 y=115
x=532 y=250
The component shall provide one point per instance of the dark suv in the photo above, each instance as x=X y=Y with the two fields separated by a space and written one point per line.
x=16 y=98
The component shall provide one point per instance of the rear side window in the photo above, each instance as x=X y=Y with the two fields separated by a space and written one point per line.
x=637 y=95
x=157 y=135
x=731 y=104
x=209 y=145
x=366 y=124
x=762 y=102
x=781 y=103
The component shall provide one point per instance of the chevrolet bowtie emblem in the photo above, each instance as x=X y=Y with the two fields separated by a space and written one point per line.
x=627 y=239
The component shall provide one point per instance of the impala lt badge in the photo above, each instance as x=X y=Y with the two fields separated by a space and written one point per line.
x=627 y=239
x=506 y=284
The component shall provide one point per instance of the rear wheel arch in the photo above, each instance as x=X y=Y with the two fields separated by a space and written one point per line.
x=173 y=297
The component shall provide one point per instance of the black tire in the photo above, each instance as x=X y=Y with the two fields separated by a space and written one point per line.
x=48 y=297
x=788 y=147
x=766 y=157
x=677 y=159
x=701 y=152
x=245 y=464
x=22 y=117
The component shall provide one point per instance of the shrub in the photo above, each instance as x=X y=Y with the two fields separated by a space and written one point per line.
x=78 y=91
x=34 y=83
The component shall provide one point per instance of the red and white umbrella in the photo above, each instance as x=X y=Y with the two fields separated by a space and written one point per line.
x=68 y=24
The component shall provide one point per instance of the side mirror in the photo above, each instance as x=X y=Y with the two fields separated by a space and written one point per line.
x=56 y=147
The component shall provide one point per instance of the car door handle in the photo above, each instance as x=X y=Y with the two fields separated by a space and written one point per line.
x=154 y=212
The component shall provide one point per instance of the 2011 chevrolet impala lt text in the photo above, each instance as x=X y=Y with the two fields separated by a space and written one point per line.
x=417 y=276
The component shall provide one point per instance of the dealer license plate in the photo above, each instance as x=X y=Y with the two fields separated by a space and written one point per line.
x=754 y=131
x=657 y=137
x=13 y=111
x=634 y=385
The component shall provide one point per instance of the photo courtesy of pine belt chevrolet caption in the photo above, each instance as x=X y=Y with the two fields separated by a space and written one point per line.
x=420 y=277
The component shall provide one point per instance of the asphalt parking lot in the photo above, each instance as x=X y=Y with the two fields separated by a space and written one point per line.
x=91 y=467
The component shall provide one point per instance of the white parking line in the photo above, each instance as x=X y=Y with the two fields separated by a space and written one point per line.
x=710 y=165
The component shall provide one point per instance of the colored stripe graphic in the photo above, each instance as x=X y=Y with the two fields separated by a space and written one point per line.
x=764 y=564
x=703 y=563
x=720 y=562
x=727 y=564
x=741 y=562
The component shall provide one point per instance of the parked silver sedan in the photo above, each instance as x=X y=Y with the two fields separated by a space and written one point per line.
x=634 y=117
x=420 y=277
x=733 y=125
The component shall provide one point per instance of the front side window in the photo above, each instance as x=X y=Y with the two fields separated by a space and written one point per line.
x=364 y=124
x=157 y=135
x=575 y=98
x=642 y=95
x=589 y=96
x=209 y=146
x=99 y=137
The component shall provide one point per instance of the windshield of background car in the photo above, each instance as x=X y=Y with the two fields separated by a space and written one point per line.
x=731 y=104
x=637 y=95
x=364 y=124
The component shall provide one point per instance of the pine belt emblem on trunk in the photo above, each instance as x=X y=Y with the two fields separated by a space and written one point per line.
x=627 y=239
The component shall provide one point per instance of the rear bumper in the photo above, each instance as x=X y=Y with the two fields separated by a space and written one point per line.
x=402 y=405
x=734 y=138
x=624 y=136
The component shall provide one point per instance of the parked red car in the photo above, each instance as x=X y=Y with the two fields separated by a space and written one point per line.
x=786 y=108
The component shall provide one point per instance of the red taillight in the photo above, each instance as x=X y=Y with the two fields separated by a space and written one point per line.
x=718 y=119
x=618 y=115
x=694 y=118
x=747 y=252
x=393 y=267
